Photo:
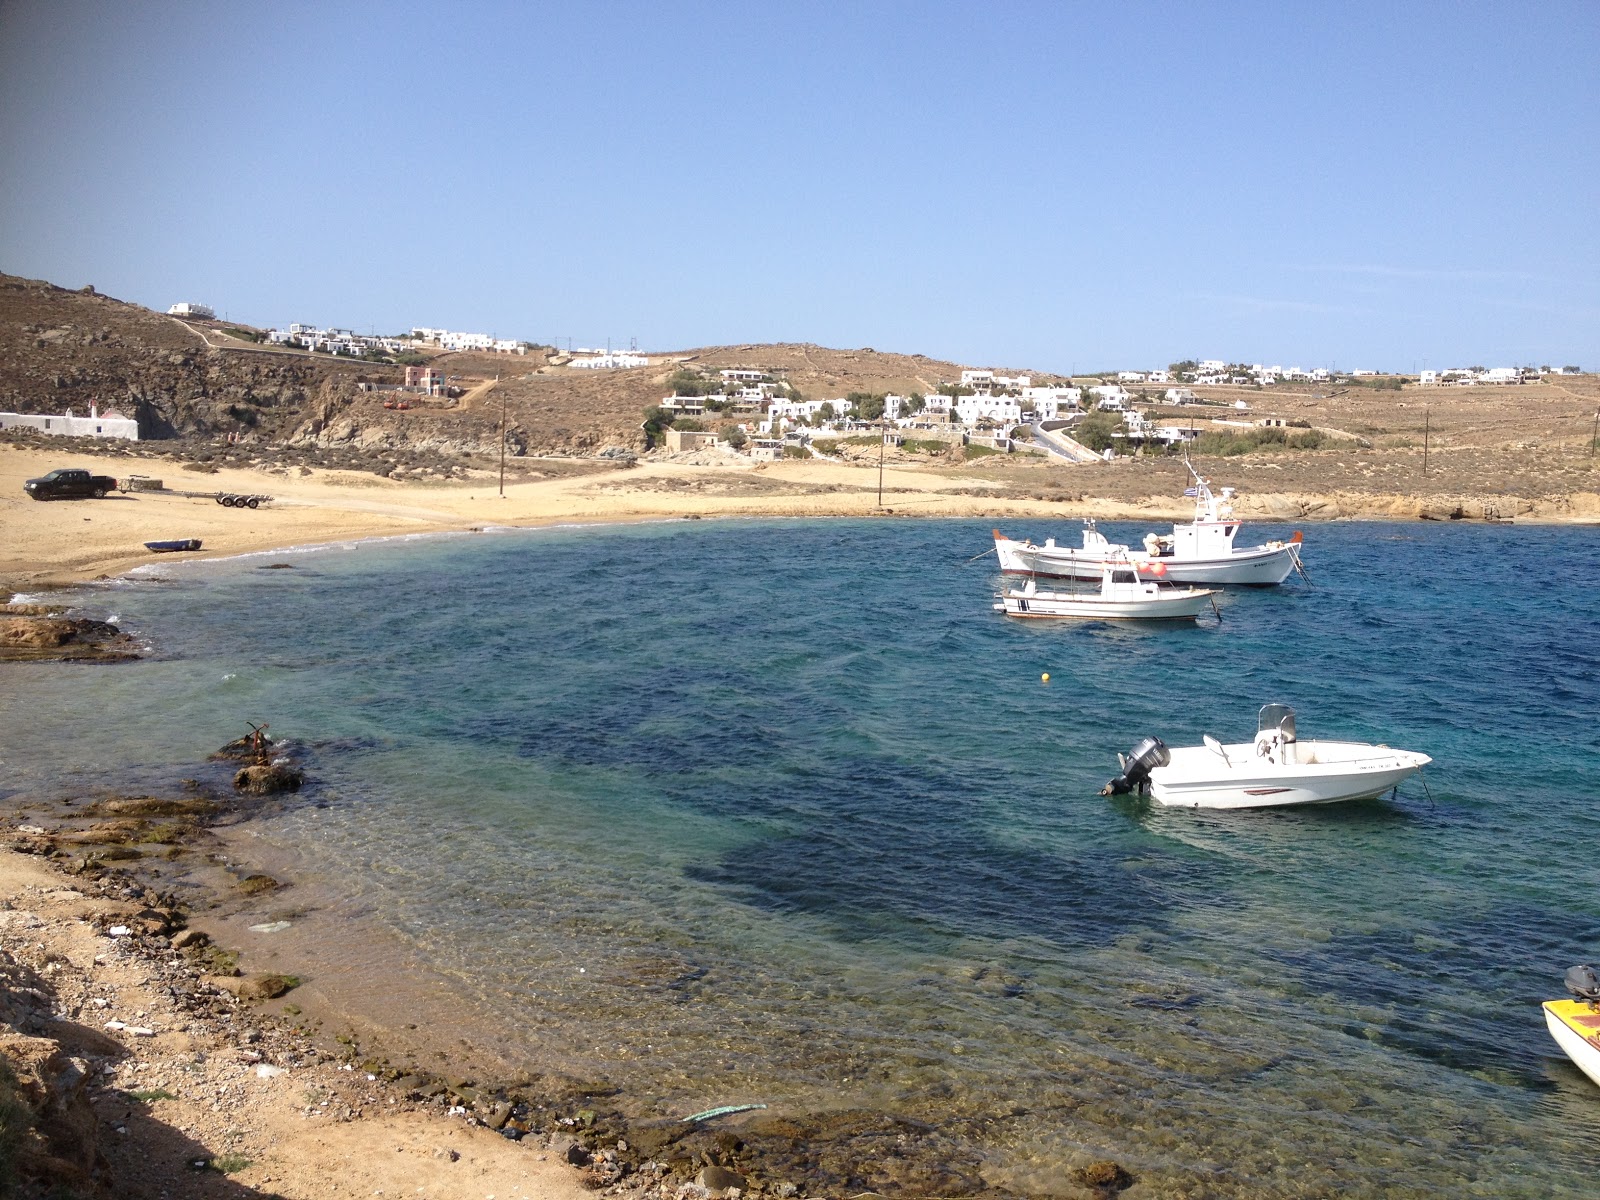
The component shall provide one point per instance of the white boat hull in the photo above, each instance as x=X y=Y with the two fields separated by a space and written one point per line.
x=1178 y=605
x=1260 y=566
x=1567 y=1021
x=1326 y=773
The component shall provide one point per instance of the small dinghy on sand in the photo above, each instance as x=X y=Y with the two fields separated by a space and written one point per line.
x=1575 y=1024
x=173 y=545
x=1273 y=771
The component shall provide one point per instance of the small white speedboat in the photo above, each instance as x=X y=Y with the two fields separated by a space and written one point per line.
x=1122 y=596
x=1575 y=1024
x=1277 y=769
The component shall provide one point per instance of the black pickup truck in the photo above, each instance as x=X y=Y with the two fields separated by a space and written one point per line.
x=69 y=484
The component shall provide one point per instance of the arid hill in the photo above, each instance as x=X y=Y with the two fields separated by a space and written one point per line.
x=201 y=393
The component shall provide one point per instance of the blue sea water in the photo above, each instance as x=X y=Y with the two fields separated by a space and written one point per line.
x=782 y=812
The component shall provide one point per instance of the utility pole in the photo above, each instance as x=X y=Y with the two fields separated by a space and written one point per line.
x=1595 y=436
x=502 y=439
x=883 y=440
x=1427 y=422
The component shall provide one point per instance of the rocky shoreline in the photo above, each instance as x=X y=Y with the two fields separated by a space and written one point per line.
x=131 y=1030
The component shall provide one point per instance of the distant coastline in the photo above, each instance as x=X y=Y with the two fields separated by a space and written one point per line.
x=71 y=541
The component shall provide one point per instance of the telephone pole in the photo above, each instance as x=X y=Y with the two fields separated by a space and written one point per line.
x=502 y=439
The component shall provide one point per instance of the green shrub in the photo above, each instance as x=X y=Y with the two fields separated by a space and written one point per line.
x=1095 y=430
x=1230 y=444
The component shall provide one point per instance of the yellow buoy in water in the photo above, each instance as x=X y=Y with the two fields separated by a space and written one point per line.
x=1045 y=678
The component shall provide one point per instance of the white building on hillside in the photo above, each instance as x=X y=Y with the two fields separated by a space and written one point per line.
x=110 y=424
x=186 y=309
x=1048 y=403
x=451 y=339
x=1110 y=397
x=610 y=362
x=1002 y=410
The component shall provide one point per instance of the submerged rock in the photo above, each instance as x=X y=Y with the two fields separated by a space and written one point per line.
x=252 y=987
x=268 y=780
x=1105 y=1176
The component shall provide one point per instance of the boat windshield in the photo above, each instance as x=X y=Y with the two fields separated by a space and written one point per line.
x=1277 y=716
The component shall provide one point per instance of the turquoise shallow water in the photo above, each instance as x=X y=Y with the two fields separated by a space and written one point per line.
x=782 y=812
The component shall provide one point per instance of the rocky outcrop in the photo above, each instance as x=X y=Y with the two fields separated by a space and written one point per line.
x=34 y=637
x=48 y=1126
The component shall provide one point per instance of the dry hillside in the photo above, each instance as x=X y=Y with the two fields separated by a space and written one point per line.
x=192 y=386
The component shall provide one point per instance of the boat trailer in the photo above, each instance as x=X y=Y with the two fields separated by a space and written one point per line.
x=144 y=483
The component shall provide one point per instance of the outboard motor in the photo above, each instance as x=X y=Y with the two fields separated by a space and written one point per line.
x=1584 y=983
x=1147 y=754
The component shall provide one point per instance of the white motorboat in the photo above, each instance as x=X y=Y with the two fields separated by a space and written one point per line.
x=1201 y=551
x=1122 y=596
x=1275 y=770
x=1575 y=1024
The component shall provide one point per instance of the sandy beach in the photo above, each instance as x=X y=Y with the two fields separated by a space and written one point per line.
x=63 y=542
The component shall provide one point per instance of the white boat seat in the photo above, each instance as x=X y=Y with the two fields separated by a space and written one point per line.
x=1215 y=747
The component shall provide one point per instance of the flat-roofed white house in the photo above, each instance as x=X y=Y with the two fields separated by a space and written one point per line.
x=188 y=309
x=1050 y=402
x=610 y=362
x=1180 y=396
x=1427 y=379
x=110 y=424
x=1111 y=397
x=743 y=375
x=1002 y=410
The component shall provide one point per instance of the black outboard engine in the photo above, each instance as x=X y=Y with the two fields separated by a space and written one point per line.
x=1584 y=983
x=1147 y=754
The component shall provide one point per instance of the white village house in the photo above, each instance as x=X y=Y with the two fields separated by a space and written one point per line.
x=111 y=424
x=610 y=362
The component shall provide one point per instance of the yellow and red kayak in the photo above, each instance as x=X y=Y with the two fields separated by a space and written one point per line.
x=1575 y=1025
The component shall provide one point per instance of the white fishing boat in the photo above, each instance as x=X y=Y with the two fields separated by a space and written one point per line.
x=1575 y=1024
x=1122 y=596
x=1201 y=551
x=1277 y=769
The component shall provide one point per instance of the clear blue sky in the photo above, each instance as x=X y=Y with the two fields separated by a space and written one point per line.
x=1043 y=185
